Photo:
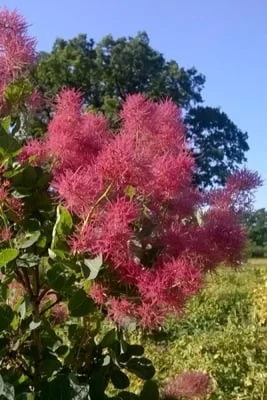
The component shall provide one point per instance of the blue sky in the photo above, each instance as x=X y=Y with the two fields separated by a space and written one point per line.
x=224 y=39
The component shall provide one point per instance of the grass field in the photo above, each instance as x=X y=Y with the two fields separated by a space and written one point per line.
x=220 y=334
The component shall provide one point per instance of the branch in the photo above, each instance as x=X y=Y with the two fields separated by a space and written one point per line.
x=44 y=293
x=37 y=280
x=95 y=205
x=27 y=283
x=51 y=306
x=20 y=277
x=24 y=370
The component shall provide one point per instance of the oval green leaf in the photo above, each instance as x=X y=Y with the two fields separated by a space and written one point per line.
x=80 y=304
x=8 y=255
x=141 y=367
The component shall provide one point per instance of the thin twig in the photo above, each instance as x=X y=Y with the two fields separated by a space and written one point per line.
x=37 y=281
x=50 y=306
x=95 y=205
x=24 y=370
x=20 y=277
x=28 y=283
x=44 y=293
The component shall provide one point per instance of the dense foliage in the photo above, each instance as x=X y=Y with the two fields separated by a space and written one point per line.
x=256 y=223
x=96 y=225
x=109 y=71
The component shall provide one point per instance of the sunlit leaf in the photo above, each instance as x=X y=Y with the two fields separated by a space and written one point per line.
x=8 y=255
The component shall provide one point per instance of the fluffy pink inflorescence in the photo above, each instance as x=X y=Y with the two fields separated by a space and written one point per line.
x=59 y=310
x=75 y=138
x=17 y=49
x=133 y=194
x=238 y=191
x=35 y=151
x=99 y=293
x=121 y=310
x=190 y=385
x=5 y=234
x=8 y=202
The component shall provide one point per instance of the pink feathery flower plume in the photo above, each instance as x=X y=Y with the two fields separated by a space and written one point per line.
x=17 y=49
x=190 y=385
x=136 y=204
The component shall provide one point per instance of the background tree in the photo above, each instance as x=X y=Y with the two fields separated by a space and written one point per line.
x=217 y=143
x=256 y=223
x=110 y=70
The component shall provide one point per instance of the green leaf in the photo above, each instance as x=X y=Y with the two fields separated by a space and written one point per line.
x=8 y=145
x=25 y=180
x=127 y=396
x=6 y=316
x=130 y=191
x=92 y=267
x=15 y=322
x=129 y=351
x=42 y=241
x=19 y=195
x=57 y=389
x=56 y=278
x=98 y=384
x=59 y=279
x=116 y=348
x=62 y=227
x=43 y=180
x=5 y=123
x=9 y=392
x=8 y=255
x=150 y=391
x=22 y=309
x=16 y=170
x=25 y=396
x=4 y=346
x=81 y=392
x=50 y=364
x=17 y=92
x=80 y=304
x=62 y=350
x=108 y=339
x=27 y=260
x=4 y=291
x=141 y=367
x=31 y=225
x=34 y=325
x=106 y=360
x=50 y=338
x=135 y=349
x=119 y=379
x=2 y=385
x=28 y=239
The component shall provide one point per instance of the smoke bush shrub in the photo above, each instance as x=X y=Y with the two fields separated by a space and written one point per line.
x=94 y=225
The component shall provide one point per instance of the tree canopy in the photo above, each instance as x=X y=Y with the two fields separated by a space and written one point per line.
x=256 y=223
x=106 y=72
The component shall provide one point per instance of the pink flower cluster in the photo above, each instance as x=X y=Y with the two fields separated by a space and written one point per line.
x=17 y=51
x=9 y=203
x=190 y=385
x=132 y=191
